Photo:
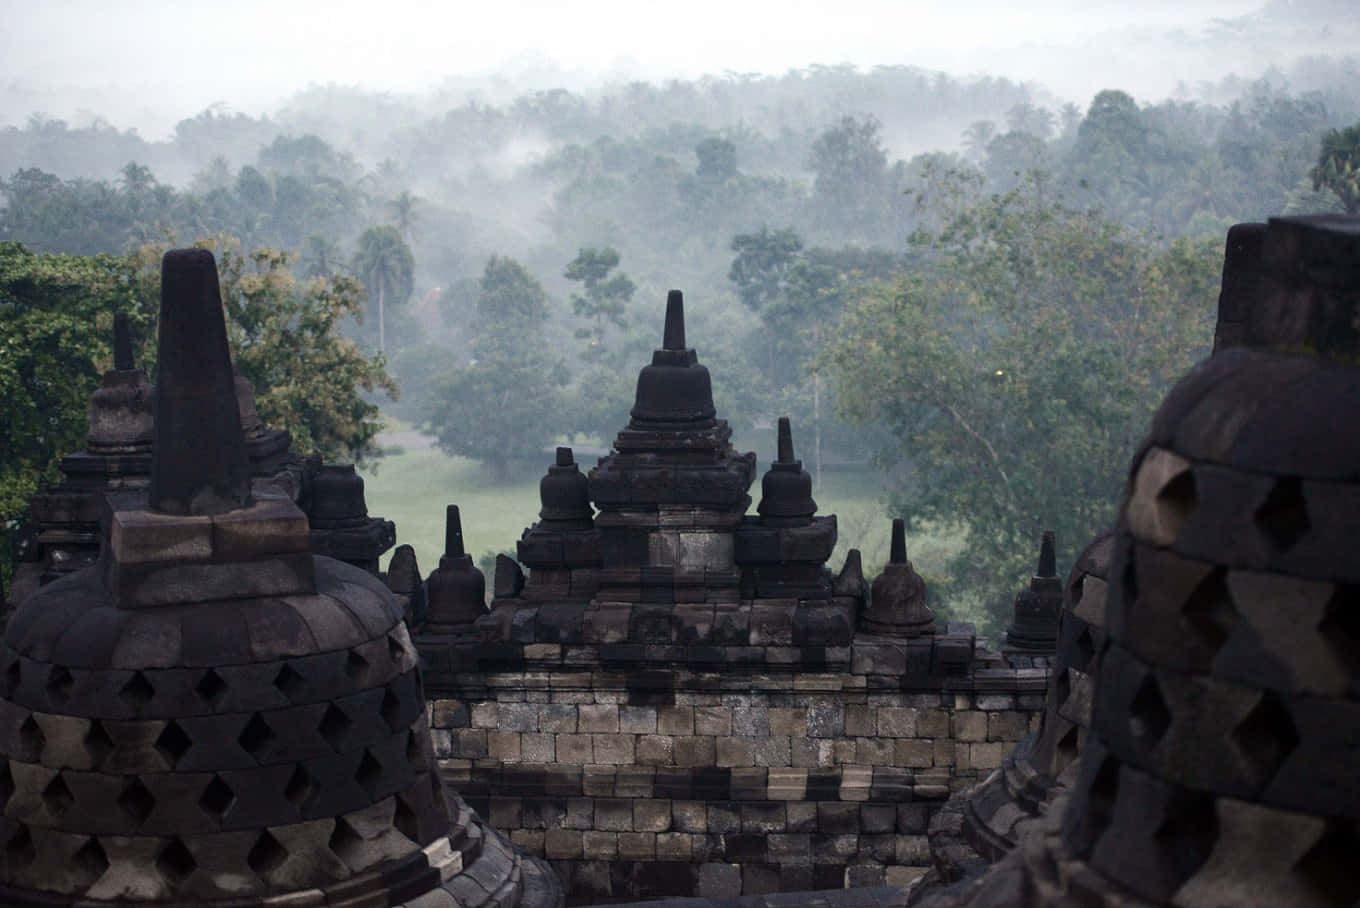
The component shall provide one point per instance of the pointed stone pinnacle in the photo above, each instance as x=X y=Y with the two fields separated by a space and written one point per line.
x=1048 y=562
x=453 y=533
x=198 y=457
x=122 y=344
x=785 y=441
x=564 y=457
x=674 y=338
x=899 y=542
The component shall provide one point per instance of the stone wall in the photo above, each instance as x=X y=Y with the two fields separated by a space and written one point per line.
x=640 y=774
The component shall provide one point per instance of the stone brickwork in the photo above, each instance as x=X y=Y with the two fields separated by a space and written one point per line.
x=666 y=781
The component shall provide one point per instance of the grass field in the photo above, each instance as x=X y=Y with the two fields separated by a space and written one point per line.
x=413 y=486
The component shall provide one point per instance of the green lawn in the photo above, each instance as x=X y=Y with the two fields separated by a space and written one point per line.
x=412 y=488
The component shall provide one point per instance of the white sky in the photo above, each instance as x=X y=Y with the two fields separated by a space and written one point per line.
x=148 y=63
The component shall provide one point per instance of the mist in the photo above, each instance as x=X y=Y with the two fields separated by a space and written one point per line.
x=147 y=65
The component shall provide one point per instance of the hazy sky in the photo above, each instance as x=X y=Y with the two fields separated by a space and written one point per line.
x=150 y=63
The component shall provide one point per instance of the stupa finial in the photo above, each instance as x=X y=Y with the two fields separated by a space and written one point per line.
x=785 y=445
x=453 y=533
x=198 y=458
x=122 y=343
x=1048 y=559
x=898 y=553
x=674 y=338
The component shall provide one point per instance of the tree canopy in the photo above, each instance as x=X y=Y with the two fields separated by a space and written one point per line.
x=1016 y=368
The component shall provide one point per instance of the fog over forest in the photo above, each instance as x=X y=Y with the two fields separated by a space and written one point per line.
x=966 y=249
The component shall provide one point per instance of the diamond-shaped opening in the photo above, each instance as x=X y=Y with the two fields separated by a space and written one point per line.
x=255 y=736
x=1340 y=626
x=1065 y=751
x=1086 y=826
x=1062 y=687
x=1265 y=738
x=210 y=687
x=335 y=725
x=390 y=709
x=1209 y=611
x=1149 y=717
x=173 y=743
x=13 y=672
x=344 y=841
x=90 y=860
x=369 y=773
x=1328 y=868
x=1128 y=579
x=415 y=754
x=31 y=740
x=405 y=821
x=1187 y=834
x=137 y=692
x=1283 y=517
x=176 y=863
x=266 y=855
x=137 y=801
x=289 y=682
x=6 y=783
x=217 y=798
x=19 y=850
x=1175 y=501
x=1086 y=648
x=395 y=648
x=60 y=684
x=98 y=744
x=300 y=788
x=357 y=667
x=57 y=797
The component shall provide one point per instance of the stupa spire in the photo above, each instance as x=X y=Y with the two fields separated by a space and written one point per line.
x=122 y=344
x=453 y=533
x=198 y=458
x=674 y=336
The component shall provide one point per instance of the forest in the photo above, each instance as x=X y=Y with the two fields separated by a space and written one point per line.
x=965 y=285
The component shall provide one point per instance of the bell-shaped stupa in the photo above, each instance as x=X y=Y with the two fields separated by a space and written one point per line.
x=213 y=715
x=1034 y=625
x=1220 y=765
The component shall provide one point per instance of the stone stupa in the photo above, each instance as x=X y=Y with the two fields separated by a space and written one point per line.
x=1220 y=765
x=213 y=715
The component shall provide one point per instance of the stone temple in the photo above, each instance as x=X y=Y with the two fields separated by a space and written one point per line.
x=213 y=715
x=671 y=693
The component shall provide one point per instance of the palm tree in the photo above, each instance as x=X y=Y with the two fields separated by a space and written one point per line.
x=385 y=264
x=320 y=256
x=404 y=210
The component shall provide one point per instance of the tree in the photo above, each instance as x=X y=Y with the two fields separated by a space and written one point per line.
x=717 y=160
x=1338 y=166
x=1016 y=368
x=605 y=299
x=503 y=406
x=977 y=137
x=851 y=168
x=404 y=210
x=285 y=337
x=760 y=269
x=56 y=336
x=761 y=272
x=385 y=265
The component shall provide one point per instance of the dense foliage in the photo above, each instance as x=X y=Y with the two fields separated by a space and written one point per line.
x=982 y=287
x=1016 y=368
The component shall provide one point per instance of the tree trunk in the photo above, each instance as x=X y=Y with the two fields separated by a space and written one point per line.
x=817 y=426
x=382 y=336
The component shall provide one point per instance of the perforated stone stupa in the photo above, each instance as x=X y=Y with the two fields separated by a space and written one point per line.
x=213 y=715
x=1220 y=768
